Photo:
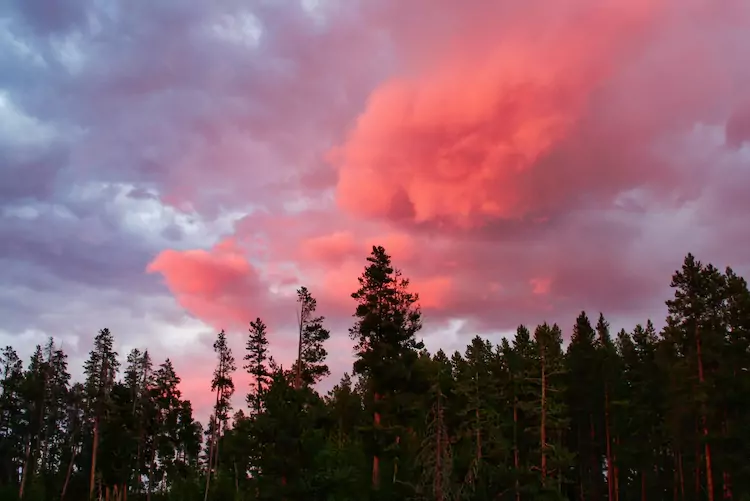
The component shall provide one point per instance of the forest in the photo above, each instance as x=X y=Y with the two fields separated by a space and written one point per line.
x=576 y=413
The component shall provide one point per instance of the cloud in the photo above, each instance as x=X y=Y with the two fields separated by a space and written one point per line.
x=218 y=286
x=535 y=120
x=520 y=161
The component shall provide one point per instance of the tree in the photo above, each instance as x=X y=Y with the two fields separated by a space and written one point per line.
x=100 y=370
x=139 y=381
x=388 y=319
x=649 y=415
x=697 y=325
x=552 y=417
x=310 y=366
x=611 y=371
x=11 y=414
x=256 y=357
x=166 y=396
x=586 y=406
x=223 y=385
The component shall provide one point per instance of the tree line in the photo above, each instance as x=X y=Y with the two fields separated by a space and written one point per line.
x=640 y=415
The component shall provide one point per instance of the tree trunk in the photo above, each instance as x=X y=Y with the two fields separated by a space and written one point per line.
x=726 y=478
x=141 y=390
x=212 y=446
x=697 y=465
x=610 y=461
x=102 y=390
x=581 y=472
x=209 y=463
x=376 y=459
x=26 y=465
x=516 y=461
x=675 y=478
x=594 y=469
x=707 y=455
x=543 y=431
x=616 y=470
x=395 y=464
x=681 y=473
x=704 y=425
x=29 y=459
x=43 y=444
x=439 y=451
x=94 y=448
x=476 y=416
x=643 y=484
x=216 y=448
x=68 y=473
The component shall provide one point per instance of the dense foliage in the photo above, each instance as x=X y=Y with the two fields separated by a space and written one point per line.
x=640 y=415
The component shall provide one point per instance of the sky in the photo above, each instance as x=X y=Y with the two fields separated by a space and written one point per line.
x=172 y=168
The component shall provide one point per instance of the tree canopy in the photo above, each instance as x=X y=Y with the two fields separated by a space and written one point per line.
x=632 y=415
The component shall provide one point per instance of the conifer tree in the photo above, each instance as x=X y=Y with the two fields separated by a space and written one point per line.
x=696 y=323
x=310 y=366
x=552 y=418
x=585 y=407
x=388 y=319
x=256 y=357
x=649 y=414
x=223 y=385
x=100 y=370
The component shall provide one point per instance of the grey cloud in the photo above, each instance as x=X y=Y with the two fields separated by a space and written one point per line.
x=145 y=94
x=159 y=98
x=86 y=250
x=29 y=174
x=46 y=17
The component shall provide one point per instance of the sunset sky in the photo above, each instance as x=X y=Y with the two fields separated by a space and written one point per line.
x=169 y=168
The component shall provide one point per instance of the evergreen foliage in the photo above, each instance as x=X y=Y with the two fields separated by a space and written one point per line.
x=639 y=415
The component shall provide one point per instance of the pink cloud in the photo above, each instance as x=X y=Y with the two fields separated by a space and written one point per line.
x=218 y=286
x=331 y=248
x=540 y=286
x=467 y=136
x=520 y=161
x=529 y=119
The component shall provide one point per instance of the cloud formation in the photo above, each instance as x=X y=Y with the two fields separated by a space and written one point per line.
x=186 y=165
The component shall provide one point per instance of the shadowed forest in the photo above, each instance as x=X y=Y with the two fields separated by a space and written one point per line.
x=639 y=415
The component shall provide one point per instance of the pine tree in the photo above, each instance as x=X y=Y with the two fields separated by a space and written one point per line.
x=551 y=418
x=733 y=382
x=257 y=364
x=310 y=366
x=696 y=322
x=388 y=319
x=100 y=370
x=74 y=424
x=649 y=415
x=34 y=393
x=585 y=405
x=11 y=415
x=166 y=397
x=139 y=381
x=223 y=385
x=611 y=371
x=435 y=457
